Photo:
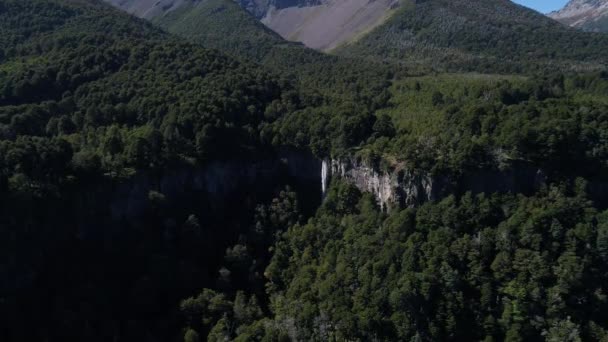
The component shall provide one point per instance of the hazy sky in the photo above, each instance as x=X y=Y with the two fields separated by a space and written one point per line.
x=543 y=6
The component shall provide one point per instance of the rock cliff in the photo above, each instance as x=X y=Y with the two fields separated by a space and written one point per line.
x=408 y=188
x=218 y=185
x=215 y=183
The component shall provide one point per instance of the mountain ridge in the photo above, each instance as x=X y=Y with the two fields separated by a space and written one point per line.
x=485 y=35
x=477 y=35
x=589 y=15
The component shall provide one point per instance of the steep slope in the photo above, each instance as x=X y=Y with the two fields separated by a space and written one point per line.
x=223 y=25
x=327 y=25
x=149 y=8
x=320 y=24
x=479 y=35
x=493 y=35
x=102 y=114
x=589 y=15
x=94 y=105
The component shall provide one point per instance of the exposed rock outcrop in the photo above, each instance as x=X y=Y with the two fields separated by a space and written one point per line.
x=218 y=181
x=590 y=15
x=328 y=24
x=218 y=185
x=404 y=187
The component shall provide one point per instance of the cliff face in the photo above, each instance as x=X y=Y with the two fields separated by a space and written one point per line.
x=402 y=189
x=407 y=188
x=219 y=183
x=216 y=191
x=228 y=185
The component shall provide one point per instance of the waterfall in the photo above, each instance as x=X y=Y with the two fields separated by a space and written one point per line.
x=324 y=176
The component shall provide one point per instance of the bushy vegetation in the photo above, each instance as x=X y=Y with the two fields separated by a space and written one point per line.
x=224 y=26
x=323 y=79
x=487 y=268
x=450 y=124
x=90 y=99
x=118 y=100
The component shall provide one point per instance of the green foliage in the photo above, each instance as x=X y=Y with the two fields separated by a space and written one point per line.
x=473 y=268
x=451 y=123
x=479 y=35
x=91 y=99
x=191 y=336
x=212 y=315
x=130 y=98
x=226 y=27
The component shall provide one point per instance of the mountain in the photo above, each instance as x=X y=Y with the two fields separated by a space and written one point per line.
x=589 y=15
x=222 y=25
x=479 y=34
x=328 y=24
x=219 y=24
x=148 y=8
x=322 y=25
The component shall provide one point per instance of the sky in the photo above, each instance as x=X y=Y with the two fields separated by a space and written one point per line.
x=543 y=6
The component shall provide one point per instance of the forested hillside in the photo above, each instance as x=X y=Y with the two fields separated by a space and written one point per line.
x=223 y=25
x=481 y=35
x=91 y=100
x=491 y=268
x=166 y=186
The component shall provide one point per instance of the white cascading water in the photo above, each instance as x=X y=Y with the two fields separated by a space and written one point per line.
x=324 y=176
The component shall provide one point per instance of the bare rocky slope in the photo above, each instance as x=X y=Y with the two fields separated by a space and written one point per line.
x=325 y=26
x=319 y=24
x=590 y=15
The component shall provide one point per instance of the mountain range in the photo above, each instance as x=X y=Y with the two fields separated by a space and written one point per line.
x=441 y=34
x=589 y=15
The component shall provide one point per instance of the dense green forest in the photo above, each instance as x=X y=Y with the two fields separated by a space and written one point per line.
x=223 y=25
x=468 y=269
x=122 y=218
x=91 y=99
x=479 y=35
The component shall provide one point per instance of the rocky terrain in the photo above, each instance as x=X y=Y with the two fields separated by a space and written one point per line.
x=322 y=25
x=590 y=15
x=327 y=25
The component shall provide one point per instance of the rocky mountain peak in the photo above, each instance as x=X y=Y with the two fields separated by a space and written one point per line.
x=591 y=15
